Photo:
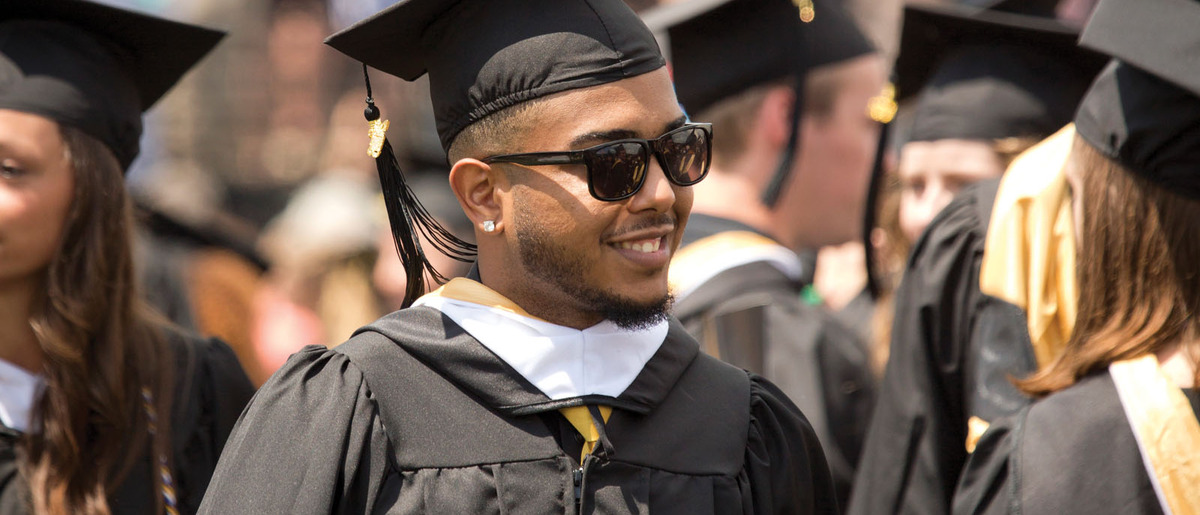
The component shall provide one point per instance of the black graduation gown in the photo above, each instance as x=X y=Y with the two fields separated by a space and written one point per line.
x=211 y=391
x=759 y=322
x=414 y=415
x=953 y=352
x=1072 y=452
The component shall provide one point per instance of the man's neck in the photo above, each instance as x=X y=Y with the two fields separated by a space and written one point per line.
x=730 y=197
x=545 y=304
x=18 y=344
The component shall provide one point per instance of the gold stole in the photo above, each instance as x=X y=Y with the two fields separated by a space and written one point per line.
x=461 y=288
x=1029 y=254
x=1167 y=432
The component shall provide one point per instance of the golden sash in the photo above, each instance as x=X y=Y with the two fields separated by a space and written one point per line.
x=1029 y=253
x=1166 y=429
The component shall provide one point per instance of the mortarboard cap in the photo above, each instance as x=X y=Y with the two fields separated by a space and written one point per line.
x=719 y=48
x=93 y=67
x=485 y=55
x=990 y=73
x=1144 y=108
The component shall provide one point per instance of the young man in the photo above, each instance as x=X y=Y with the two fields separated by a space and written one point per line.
x=551 y=380
x=738 y=276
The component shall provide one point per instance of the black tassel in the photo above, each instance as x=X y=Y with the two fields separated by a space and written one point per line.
x=871 y=213
x=783 y=172
x=408 y=217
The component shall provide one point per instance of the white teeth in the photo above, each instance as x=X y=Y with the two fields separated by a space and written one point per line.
x=645 y=247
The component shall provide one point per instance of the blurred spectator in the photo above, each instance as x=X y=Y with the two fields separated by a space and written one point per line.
x=783 y=180
x=321 y=248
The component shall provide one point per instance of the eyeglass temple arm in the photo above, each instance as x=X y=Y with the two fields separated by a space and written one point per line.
x=539 y=158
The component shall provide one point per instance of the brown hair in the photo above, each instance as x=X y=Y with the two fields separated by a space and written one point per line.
x=1138 y=267
x=99 y=348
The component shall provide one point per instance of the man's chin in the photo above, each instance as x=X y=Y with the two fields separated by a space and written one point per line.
x=634 y=313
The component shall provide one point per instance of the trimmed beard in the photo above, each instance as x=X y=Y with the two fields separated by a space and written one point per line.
x=553 y=263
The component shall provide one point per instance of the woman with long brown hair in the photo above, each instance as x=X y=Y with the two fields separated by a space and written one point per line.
x=1115 y=428
x=103 y=408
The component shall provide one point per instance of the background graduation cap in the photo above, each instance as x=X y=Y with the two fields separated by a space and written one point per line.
x=92 y=66
x=719 y=48
x=991 y=73
x=483 y=56
x=1144 y=109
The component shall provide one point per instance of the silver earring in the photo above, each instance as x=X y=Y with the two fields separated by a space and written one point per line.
x=489 y=226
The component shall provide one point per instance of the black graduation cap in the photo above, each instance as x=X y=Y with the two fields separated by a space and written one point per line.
x=92 y=66
x=483 y=56
x=990 y=73
x=1144 y=109
x=719 y=48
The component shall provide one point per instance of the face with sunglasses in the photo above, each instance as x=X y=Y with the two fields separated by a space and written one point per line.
x=590 y=202
x=616 y=170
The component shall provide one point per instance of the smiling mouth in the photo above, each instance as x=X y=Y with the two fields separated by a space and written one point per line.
x=643 y=246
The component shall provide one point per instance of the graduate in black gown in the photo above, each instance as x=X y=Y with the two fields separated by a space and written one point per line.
x=103 y=409
x=739 y=279
x=987 y=77
x=1116 y=429
x=551 y=380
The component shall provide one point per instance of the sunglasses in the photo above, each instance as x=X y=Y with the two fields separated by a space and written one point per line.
x=616 y=169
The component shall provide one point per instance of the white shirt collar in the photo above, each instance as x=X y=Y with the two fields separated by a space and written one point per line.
x=561 y=361
x=19 y=390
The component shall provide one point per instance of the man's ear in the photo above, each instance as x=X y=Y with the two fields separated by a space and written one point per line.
x=477 y=186
x=774 y=115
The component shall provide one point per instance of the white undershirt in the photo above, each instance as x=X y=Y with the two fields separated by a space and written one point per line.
x=19 y=389
x=561 y=361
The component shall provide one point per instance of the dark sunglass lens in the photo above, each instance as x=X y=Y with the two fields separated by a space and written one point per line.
x=617 y=170
x=686 y=154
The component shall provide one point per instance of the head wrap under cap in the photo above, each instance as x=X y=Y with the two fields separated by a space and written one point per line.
x=92 y=66
x=994 y=92
x=485 y=55
x=1144 y=109
x=990 y=74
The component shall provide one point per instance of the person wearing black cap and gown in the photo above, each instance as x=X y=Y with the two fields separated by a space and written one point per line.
x=983 y=77
x=551 y=379
x=1116 y=427
x=738 y=277
x=103 y=409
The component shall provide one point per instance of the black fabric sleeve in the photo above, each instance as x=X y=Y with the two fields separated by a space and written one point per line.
x=213 y=391
x=12 y=488
x=784 y=461
x=309 y=442
x=915 y=445
x=987 y=484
